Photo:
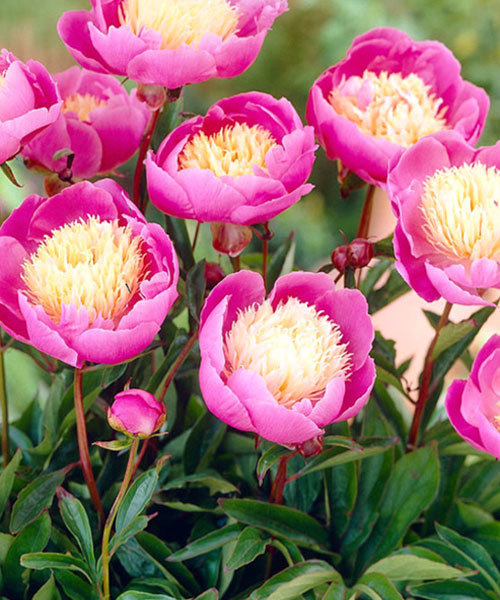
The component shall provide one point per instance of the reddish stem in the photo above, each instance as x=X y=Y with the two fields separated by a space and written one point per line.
x=146 y=141
x=364 y=222
x=83 y=445
x=423 y=395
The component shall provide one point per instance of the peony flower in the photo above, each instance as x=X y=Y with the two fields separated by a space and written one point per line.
x=136 y=413
x=84 y=276
x=169 y=43
x=286 y=366
x=387 y=93
x=100 y=123
x=243 y=163
x=473 y=406
x=29 y=101
x=447 y=198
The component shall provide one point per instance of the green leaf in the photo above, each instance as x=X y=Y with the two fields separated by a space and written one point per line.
x=195 y=289
x=282 y=260
x=294 y=581
x=35 y=498
x=450 y=590
x=269 y=458
x=336 y=591
x=115 y=445
x=212 y=594
x=133 y=595
x=407 y=567
x=412 y=487
x=7 y=479
x=248 y=546
x=136 y=525
x=281 y=521
x=177 y=230
x=377 y=587
x=33 y=538
x=213 y=482
x=207 y=543
x=136 y=499
x=54 y=560
x=7 y=171
x=394 y=288
x=74 y=586
x=202 y=443
x=384 y=247
x=77 y=522
x=474 y=554
x=48 y=591
x=488 y=536
x=451 y=334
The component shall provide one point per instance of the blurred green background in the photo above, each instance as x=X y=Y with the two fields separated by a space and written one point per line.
x=311 y=36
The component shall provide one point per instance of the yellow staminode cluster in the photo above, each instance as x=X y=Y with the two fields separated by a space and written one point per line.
x=295 y=348
x=233 y=150
x=461 y=206
x=82 y=105
x=401 y=110
x=180 y=21
x=93 y=264
x=2 y=80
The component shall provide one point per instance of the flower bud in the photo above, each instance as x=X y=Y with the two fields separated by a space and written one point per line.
x=339 y=258
x=153 y=95
x=359 y=253
x=230 y=239
x=136 y=413
x=214 y=274
x=311 y=447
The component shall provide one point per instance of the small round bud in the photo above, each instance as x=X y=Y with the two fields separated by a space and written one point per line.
x=136 y=413
x=230 y=239
x=153 y=95
x=311 y=447
x=359 y=253
x=214 y=274
x=339 y=258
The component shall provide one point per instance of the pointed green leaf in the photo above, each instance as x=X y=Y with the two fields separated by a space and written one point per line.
x=74 y=586
x=7 y=479
x=450 y=590
x=54 y=560
x=249 y=545
x=407 y=567
x=377 y=587
x=136 y=499
x=207 y=543
x=48 y=591
x=76 y=520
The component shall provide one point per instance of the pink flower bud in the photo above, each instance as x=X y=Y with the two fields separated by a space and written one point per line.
x=311 y=447
x=136 y=413
x=214 y=274
x=339 y=258
x=153 y=95
x=230 y=239
x=359 y=253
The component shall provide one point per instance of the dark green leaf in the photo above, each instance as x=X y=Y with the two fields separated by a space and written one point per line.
x=207 y=543
x=281 y=521
x=133 y=595
x=115 y=445
x=213 y=482
x=384 y=247
x=7 y=479
x=373 y=275
x=77 y=522
x=74 y=586
x=488 y=536
x=177 y=230
x=136 y=525
x=451 y=334
x=48 y=591
x=136 y=499
x=408 y=567
x=202 y=443
x=377 y=587
x=394 y=288
x=301 y=494
x=294 y=581
x=248 y=546
x=336 y=591
x=34 y=498
x=212 y=594
x=412 y=486
x=33 y=538
x=269 y=458
x=53 y=560
x=195 y=289
x=7 y=171
x=281 y=261
x=450 y=590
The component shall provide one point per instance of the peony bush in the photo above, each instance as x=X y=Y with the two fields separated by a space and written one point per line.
x=215 y=421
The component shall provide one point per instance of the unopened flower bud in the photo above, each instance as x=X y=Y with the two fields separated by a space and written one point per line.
x=153 y=95
x=339 y=258
x=52 y=184
x=136 y=413
x=359 y=253
x=230 y=239
x=311 y=447
x=214 y=274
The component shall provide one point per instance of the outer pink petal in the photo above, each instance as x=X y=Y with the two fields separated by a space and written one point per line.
x=453 y=408
x=328 y=408
x=13 y=256
x=489 y=434
x=270 y=420
x=452 y=292
x=307 y=287
x=358 y=390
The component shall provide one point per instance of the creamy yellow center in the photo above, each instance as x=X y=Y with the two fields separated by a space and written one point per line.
x=82 y=105
x=2 y=80
x=295 y=348
x=180 y=21
x=233 y=150
x=91 y=264
x=389 y=106
x=461 y=206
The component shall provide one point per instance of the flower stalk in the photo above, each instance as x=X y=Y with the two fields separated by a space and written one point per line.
x=177 y=365
x=366 y=215
x=146 y=141
x=423 y=394
x=4 y=406
x=112 y=515
x=83 y=444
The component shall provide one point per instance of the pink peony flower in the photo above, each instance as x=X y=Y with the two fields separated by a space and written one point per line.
x=245 y=162
x=387 y=93
x=136 y=413
x=100 y=123
x=447 y=198
x=287 y=366
x=29 y=101
x=473 y=406
x=84 y=276
x=169 y=43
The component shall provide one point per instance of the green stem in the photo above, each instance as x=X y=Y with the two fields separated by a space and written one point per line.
x=83 y=444
x=423 y=395
x=366 y=215
x=112 y=515
x=196 y=233
x=283 y=549
x=5 y=407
